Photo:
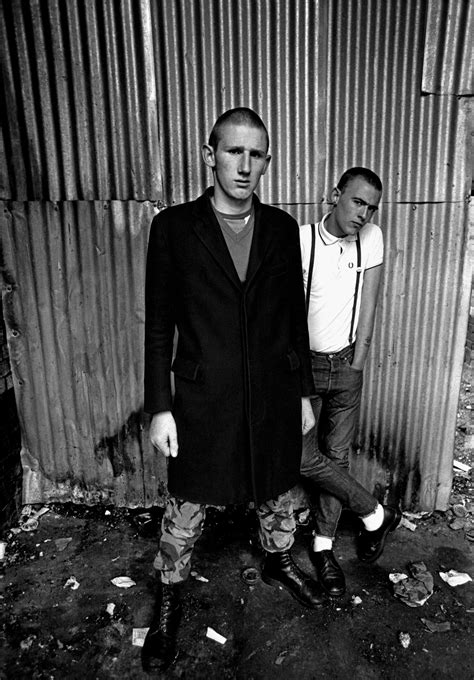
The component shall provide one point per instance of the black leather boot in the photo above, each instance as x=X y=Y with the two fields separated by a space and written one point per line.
x=159 y=649
x=280 y=570
x=372 y=543
x=330 y=574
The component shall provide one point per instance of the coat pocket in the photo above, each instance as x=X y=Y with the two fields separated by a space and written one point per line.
x=293 y=360
x=187 y=369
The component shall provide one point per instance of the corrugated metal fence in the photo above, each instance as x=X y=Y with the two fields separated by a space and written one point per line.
x=107 y=106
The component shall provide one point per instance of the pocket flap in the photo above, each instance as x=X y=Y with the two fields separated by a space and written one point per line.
x=186 y=368
x=293 y=360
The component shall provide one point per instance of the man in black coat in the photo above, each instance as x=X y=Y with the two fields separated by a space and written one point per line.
x=225 y=272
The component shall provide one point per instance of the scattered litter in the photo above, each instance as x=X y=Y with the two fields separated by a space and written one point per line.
x=27 y=642
x=302 y=517
x=435 y=627
x=138 y=636
x=110 y=608
x=62 y=543
x=423 y=514
x=3 y=547
x=72 y=583
x=107 y=512
x=123 y=582
x=356 y=600
x=250 y=576
x=213 y=635
x=415 y=591
x=461 y=466
x=404 y=639
x=115 y=558
x=469 y=532
x=280 y=658
x=396 y=577
x=455 y=578
x=457 y=524
x=459 y=510
x=29 y=518
x=198 y=577
x=404 y=522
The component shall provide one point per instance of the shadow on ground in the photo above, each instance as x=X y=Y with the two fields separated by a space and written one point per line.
x=50 y=630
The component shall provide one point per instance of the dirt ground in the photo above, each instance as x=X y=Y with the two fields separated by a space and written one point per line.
x=50 y=629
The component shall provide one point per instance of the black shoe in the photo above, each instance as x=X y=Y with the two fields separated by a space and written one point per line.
x=159 y=648
x=330 y=574
x=372 y=543
x=280 y=570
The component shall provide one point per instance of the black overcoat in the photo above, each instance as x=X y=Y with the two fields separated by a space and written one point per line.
x=242 y=359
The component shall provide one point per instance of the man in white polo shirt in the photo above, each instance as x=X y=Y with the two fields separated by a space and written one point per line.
x=342 y=257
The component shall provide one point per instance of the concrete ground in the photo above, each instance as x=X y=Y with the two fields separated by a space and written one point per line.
x=54 y=630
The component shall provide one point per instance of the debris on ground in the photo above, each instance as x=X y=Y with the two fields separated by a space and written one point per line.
x=405 y=639
x=356 y=600
x=436 y=626
x=418 y=588
x=198 y=577
x=110 y=609
x=250 y=575
x=281 y=657
x=138 y=636
x=62 y=543
x=455 y=578
x=123 y=582
x=72 y=583
x=29 y=517
x=404 y=522
x=214 y=635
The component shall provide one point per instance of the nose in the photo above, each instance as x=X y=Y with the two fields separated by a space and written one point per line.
x=364 y=212
x=244 y=166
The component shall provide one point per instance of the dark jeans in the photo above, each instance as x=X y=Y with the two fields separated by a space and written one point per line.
x=325 y=458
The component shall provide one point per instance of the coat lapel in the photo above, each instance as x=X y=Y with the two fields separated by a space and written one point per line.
x=209 y=232
x=260 y=242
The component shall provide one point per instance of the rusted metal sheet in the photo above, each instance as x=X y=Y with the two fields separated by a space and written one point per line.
x=448 y=63
x=80 y=100
x=74 y=309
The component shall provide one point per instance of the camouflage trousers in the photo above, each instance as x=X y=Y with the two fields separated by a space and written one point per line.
x=183 y=522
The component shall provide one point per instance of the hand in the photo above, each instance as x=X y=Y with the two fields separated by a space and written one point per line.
x=163 y=433
x=307 y=415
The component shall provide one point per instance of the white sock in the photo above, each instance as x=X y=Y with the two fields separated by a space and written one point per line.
x=374 y=521
x=322 y=543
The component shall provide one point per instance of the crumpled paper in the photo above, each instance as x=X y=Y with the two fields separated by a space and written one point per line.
x=418 y=588
x=455 y=578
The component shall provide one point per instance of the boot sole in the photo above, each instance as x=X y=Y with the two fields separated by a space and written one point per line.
x=278 y=584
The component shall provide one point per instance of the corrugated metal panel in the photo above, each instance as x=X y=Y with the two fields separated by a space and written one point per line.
x=448 y=64
x=80 y=93
x=74 y=308
x=338 y=83
x=269 y=55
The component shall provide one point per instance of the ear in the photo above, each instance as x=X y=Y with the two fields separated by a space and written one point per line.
x=267 y=163
x=208 y=155
x=335 y=195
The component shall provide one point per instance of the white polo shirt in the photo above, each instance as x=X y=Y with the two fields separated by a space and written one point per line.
x=334 y=281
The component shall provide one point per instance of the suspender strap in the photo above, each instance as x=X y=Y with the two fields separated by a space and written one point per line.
x=310 y=268
x=351 y=334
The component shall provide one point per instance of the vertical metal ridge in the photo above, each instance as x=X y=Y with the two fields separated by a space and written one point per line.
x=80 y=83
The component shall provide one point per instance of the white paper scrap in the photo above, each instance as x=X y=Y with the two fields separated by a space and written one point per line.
x=455 y=578
x=123 y=582
x=72 y=583
x=138 y=636
x=213 y=635
x=396 y=577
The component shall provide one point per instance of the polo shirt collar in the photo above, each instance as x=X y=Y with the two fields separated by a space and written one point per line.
x=328 y=239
